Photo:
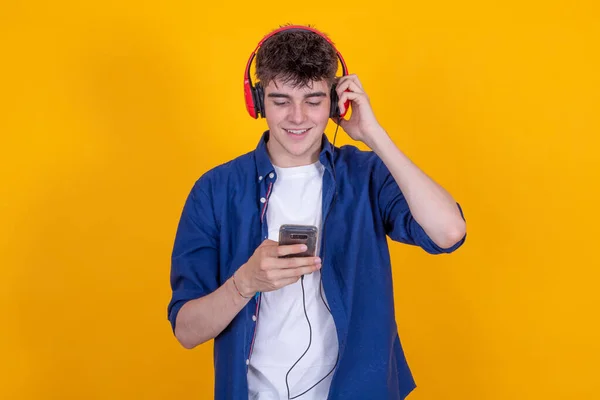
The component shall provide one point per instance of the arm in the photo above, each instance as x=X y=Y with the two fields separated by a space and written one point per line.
x=430 y=204
x=201 y=308
x=202 y=319
x=432 y=207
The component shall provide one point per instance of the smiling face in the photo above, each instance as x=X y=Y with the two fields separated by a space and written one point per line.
x=297 y=117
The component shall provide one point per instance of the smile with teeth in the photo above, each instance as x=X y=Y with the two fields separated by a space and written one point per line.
x=297 y=131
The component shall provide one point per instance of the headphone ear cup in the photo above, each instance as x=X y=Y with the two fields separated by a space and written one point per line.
x=334 y=110
x=259 y=99
x=250 y=98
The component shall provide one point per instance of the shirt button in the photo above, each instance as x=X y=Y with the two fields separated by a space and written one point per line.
x=271 y=175
x=260 y=178
x=254 y=318
x=247 y=362
x=263 y=200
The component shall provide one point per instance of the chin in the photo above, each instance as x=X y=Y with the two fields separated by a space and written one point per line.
x=303 y=148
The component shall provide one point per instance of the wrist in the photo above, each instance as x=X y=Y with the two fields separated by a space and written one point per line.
x=378 y=140
x=241 y=285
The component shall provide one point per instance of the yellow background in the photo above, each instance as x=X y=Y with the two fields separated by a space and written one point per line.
x=111 y=109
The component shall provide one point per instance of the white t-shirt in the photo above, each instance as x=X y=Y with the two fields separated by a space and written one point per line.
x=282 y=333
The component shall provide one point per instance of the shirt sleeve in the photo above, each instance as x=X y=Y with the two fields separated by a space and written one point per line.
x=399 y=223
x=194 y=262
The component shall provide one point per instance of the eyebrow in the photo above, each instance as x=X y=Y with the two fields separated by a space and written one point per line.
x=306 y=96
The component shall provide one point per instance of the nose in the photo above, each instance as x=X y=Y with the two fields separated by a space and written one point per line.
x=297 y=114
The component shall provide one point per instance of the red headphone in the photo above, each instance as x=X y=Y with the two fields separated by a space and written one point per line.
x=254 y=94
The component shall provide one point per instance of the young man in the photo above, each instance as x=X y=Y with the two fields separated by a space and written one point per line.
x=305 y=327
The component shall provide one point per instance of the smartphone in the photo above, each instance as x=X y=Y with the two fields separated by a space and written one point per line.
x=299 y=234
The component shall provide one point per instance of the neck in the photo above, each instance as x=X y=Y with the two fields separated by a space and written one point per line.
x=281 y=158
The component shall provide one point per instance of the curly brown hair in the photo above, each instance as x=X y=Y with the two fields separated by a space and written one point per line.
x=296 y=57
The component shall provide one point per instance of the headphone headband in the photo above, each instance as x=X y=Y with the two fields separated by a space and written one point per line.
x=249 y=90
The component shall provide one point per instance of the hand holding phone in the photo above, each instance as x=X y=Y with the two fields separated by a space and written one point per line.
x=274 y=265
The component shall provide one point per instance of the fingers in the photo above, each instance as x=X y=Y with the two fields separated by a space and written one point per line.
x=277 y=275
x=349 y=84
x=297 y=262
x=273 y=263
x=276 y=278
x=273 y=256
x=356 y=98
x=350 y=78
x=297 y=272
x=286 y=250
x=272 y=272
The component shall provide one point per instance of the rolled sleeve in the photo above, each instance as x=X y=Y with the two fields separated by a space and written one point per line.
x=399 y=223
x=194 y=263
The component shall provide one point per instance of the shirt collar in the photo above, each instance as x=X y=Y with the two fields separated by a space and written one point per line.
x=265 y=167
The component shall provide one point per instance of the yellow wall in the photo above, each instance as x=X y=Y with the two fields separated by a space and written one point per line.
x=111 y=110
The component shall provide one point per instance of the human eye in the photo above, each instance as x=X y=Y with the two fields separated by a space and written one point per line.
x=280 y=103
x=312 y=103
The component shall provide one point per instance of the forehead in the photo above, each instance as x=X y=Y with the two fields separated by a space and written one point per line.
x=280 y=86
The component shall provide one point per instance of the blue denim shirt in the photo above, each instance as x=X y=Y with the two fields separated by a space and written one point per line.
x=224 y=221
